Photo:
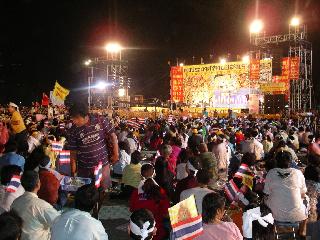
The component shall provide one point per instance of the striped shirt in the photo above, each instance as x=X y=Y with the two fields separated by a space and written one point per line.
x=90 y=142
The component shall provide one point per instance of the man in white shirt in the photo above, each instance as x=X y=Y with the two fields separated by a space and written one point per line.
x=203 y=178
x=286 y=189
x=37 y=214
x=252 y=145
x=77 y=224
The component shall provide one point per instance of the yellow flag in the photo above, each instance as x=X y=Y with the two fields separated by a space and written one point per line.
x=60 y=92
x=184 y=210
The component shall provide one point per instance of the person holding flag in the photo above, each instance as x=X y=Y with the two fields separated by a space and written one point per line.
x=91 y=140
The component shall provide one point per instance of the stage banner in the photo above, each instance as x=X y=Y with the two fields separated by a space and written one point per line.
x=253 y=103
x=217 y=85
x=273 y=87
x=294 y=68
x=254 y=69
x=285 y=68
x=265 y=71
x=176 y=84
x=60 y=92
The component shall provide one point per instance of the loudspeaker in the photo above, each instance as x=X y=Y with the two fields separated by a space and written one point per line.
x=274 y=104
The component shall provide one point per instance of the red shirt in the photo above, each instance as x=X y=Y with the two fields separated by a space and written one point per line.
x=159 y=210
x=49 y=187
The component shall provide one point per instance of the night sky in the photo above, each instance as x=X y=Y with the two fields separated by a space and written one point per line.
x=44 y=41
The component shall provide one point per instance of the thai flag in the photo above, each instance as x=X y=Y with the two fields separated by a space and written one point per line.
x=188 y=229
x=231 y=190
x=141 y=120
x=57 y=146
x=170 y=119
x=98 y=175
x=14 y=184
x=133 y=124
x=64 y=157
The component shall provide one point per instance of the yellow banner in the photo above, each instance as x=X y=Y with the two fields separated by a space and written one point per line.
x=60 y=92
x=273 y=87
x=184 y=210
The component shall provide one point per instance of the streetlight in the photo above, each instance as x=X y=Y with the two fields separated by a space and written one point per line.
x=87 y=62
x=223 y=61
x=113 y=47
x=295 y=21
x=181 y=64
x=246 y=59
x=256 y=26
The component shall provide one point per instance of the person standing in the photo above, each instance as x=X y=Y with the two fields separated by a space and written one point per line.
x=91 y=140
x=18 y=128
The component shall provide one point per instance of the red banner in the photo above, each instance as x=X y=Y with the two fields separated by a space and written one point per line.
x=254 y=69
x=176 y=84
x=294 y=68
x=285 y=68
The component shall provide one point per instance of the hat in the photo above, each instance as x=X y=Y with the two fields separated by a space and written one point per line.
x=11 y=104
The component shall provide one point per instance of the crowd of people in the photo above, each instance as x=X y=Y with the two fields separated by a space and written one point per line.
x=251 y=178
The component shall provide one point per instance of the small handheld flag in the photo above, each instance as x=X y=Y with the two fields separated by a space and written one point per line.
x=185 y=221
x=64 y=157
x=98 y=175
x=57 y=146
x=133 y=124
x=14 y=183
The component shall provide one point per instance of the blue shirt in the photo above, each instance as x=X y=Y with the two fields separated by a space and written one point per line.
x=12 y=158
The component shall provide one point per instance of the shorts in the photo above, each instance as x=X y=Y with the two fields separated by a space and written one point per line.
x=89 y=173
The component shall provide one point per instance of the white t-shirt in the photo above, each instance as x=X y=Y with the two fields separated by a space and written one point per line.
x=198 y=193
x=284 y=194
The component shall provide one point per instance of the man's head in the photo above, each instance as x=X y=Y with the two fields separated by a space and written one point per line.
x=166 y=151
x=147 y=170
x=203 y=177
x=12 y=107
x=30 y=181
x=10 y=226
x=79 y=114
x=86 y=197
x=142 y=225
x=136 y=157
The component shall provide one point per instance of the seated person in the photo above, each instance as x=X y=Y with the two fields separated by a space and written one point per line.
x=142 y=225
x=214 y=228
x=147 y=172
x=7 y=197
x=190 y=181
x=154 y=199
x=37 y=215
x=10 y=156
x=203 y=179
x=78 y=224
x=124 y=160
x=132 y=174
x=10 y=226
x=285 y=188
x=50 y=181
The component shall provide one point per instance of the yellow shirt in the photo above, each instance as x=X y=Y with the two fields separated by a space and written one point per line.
x=132 y=175
x=17 y=123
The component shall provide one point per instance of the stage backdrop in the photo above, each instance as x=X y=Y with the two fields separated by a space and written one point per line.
x=218 y=85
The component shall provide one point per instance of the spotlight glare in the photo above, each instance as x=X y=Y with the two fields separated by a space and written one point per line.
x=256 y=26
x=223 y=60
x=246 y=59
x=295 y=21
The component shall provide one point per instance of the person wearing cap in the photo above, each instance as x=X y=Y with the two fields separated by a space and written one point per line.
x=18 y=127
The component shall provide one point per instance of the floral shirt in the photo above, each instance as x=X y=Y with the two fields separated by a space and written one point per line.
x=314 y=194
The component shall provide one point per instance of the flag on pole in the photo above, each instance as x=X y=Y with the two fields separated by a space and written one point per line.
x=98 y=175
x=57 y=146
x=185 y=221
x=45 y=100
x=60 y=92
x=64 y=157
x=14 y=183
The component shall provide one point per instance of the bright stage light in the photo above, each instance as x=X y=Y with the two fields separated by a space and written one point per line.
x=223 y=60
x=101 y=85
x=122 y=92
x=245 y=59
x=256 y=26
x=181 y=64
x=87 y=62
x=295 y=21
x=113 y=47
